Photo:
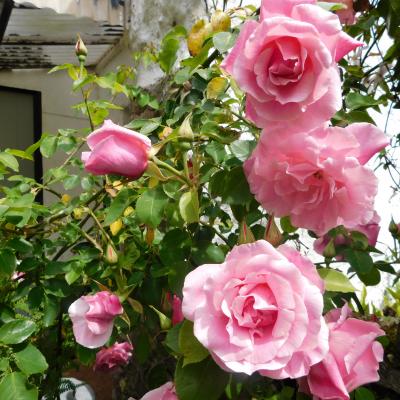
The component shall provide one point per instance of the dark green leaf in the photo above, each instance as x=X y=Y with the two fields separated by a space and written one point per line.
x=361 y=261
x=203 y=380
x=117 y=207
x=150 y=206
x=8 y=262
x=193 y=351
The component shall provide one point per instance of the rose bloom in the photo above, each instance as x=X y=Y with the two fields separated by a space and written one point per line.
x=286 y=63
x=260 y=310
x=164 y=392
x=116 y=355
x=346 y=16
x=353 y=358
x=317 y=177
x=370 y=230
x=93 y=318
x=116 y=150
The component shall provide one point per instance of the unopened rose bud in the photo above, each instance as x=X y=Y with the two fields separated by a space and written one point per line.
x=220 y=21
x=394 y=229
x=111 y=255
x=272 y=234
x=149 y=235
x=116 y=226
x=78 y=213
x=65 y=199
x=245 y=234
x=128 y=211
x=81 y=50
x=330 y=251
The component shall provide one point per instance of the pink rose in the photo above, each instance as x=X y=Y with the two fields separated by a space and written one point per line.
x=164 y=392
x=176 y=304
x=353 y=358
x=116 y=150
x=370 y=230
x=286 y=63
x=317 y=177
x=116 y=355
x=347 y=16
x=260 y=310
x=93 y=318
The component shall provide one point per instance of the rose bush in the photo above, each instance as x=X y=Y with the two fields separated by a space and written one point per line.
x=286 y=64
x=260 y=310
x=317 y=177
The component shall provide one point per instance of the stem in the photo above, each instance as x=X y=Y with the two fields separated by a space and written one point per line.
x=245 y=120
x=171 y=169
x=106 y=235
x=217 y=233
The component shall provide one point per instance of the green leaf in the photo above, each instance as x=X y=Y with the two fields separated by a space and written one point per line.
x=9 y=161
x=361 y=261
x=8 y=262
x=216 y=87
x=71 y=181
x=4 y=364
x=16 y=331
x=20 y=153
x=193 y=351
x=150 y=206
x=168 y=53
x=117 y=207
x=150 y=126
x=357 y=100
x=226 y=183
x=50 y=311
x=189 y=206
x=86 y=356
x=372 y=278
x=223 y=41
x=216 y=151
x=286 y=225
x=203 y=380
x=364 y=394
x=331 y=6
x=48 y=146
x=20 y=244
x=335 y=281
x=242 y=149
x=172 y=339
x=30 y=360
x=14 y=386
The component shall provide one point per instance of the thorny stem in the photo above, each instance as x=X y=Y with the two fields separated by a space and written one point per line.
x=171 y=169
x=106 y=235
